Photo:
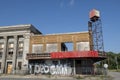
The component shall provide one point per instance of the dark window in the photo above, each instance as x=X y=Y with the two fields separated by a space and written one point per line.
x=20 y=54
x=19 y=65
x=0 y=65
x=20 y=49
x=55 y=62
x=0 y=54
x=10 y=54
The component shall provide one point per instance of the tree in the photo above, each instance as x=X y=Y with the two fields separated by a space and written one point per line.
x=111 y=61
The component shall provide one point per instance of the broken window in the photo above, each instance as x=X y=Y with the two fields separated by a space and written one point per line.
x=69 y=46
x=83 y=46
x=52 y=47
x=37 y=48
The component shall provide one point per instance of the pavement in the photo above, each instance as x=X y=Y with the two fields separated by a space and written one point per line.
x=35 y=77
x=111 y=76
x=114 y=75
x=47 y=77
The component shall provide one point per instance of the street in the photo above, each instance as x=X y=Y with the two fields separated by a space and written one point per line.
x=115 y=75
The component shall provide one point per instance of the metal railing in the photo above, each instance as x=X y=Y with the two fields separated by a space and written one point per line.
x=38 y=55
x=91 y=70
x=70 y=71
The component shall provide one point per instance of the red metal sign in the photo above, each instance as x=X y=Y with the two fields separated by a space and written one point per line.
x=74 y=54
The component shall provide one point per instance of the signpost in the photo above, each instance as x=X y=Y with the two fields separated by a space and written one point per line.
x=105 y=69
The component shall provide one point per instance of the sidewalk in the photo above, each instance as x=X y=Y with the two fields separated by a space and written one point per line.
x=57 y=77
x=38 y=76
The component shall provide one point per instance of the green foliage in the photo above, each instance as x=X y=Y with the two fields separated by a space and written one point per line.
x=113 y=59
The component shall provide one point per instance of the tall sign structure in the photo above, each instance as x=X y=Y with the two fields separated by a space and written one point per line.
x=95 y=31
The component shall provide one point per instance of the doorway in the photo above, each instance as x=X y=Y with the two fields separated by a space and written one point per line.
x=9 y=67
x=78 y=66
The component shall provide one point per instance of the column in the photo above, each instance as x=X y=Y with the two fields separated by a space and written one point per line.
x=74 y=69
x=14 y=54
x=59 y=43
x=74 y=46
x=25 y=52
x=59 y=46
x=74 y=43
x=4 y=55
x=44 y=45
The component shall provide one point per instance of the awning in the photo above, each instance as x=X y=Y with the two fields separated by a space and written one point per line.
x=74 y=54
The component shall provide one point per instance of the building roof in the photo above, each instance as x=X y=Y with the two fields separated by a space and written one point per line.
x=28 y=27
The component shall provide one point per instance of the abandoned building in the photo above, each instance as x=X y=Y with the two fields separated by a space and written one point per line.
x=24 y=49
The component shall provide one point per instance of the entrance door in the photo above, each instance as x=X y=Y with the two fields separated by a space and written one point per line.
x=78 y=66
x=32 y=69
x=9 y=67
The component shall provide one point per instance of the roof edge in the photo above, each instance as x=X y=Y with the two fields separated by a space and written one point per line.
x=21 y=25
x=68 y=33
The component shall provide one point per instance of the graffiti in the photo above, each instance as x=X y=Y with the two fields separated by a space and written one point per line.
x=52 y=69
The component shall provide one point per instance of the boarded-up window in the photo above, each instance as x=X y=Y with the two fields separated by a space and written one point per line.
x=20 y=44
x=19 y=65
x=83 y=46
x=37 y=48
x=51 y=47
x=11 y=45
x=1 y=45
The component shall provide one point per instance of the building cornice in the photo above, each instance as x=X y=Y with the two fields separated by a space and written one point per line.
x=28 y=27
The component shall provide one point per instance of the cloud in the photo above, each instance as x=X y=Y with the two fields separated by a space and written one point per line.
x=61 y=4
x=64 y=3
x=71 y=2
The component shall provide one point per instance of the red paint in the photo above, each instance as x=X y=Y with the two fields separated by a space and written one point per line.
x=74 y=54
x=94 y=13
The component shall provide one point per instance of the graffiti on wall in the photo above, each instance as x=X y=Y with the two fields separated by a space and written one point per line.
x=51 y=69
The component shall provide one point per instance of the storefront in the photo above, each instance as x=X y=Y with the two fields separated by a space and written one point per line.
x=61 y=66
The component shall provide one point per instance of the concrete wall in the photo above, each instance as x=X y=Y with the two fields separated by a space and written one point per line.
x=14 y=32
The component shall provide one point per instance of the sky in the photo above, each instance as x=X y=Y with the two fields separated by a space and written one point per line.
x=62 y=16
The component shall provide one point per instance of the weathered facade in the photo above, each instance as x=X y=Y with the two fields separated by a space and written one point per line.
x=49 y=54
x=23 y=49
x=14 y=44
x=58 y=39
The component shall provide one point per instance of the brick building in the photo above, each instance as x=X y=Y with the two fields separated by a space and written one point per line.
x=24 y=49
